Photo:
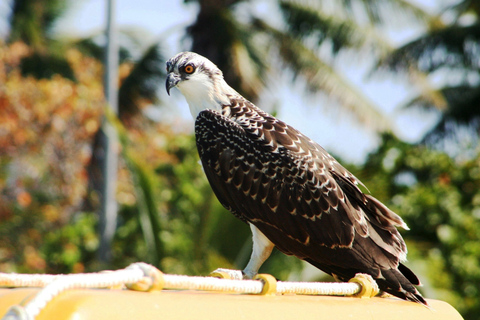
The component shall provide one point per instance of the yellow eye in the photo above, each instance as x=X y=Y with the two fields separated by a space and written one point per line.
x=189 y=69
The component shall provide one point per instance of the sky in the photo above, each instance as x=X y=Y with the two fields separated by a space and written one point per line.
x=333 y=128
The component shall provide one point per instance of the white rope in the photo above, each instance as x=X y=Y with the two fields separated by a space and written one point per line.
x=80 y=281
x=141 y=276
x=26 y=280
x=57 y=284
x=180 y=282
x=319 y=288
x=212 y=284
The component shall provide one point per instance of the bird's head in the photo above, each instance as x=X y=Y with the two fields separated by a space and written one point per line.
x=199 y=80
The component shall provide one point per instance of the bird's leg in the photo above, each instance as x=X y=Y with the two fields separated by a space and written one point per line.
x=262 y=248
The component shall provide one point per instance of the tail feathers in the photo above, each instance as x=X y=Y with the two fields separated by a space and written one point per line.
x=407 y=273
x=416 y=297
x=401 y=284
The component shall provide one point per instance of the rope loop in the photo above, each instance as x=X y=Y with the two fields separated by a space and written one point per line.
x=369 y=287
x=145 y=277
x=269 y=284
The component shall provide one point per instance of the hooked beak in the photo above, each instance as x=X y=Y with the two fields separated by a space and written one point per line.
x=172 y=80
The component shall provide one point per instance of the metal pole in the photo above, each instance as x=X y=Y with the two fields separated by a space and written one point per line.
x=111 y=58
x=108 y=215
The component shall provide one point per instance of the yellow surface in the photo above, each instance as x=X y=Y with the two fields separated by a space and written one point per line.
x=169 y=304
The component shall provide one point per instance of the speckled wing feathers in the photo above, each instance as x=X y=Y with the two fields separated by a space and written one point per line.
x=269 y=174
x=259 y=185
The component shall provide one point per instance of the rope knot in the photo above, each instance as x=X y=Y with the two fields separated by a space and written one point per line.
x=152 y=280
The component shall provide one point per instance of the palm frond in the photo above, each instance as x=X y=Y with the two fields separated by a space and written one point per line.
x=141 y=85
x=381 y=12
x=93 y=45
x=148 y=214
x=305 y=21
x=463 y=102
x=217 y=35
x=462 y=111
x=453 y=47
x=45 y=66
x=89 y=47
x=31 y=21
x=322 y=77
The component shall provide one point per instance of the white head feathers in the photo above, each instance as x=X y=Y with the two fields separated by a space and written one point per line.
x=199 y=80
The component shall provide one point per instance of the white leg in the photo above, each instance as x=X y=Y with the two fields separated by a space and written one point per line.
x=262 y=248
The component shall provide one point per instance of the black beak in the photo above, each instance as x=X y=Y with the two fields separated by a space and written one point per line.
x=172 y=80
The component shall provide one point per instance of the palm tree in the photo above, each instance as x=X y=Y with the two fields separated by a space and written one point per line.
x=247 y=47
x=449 y=52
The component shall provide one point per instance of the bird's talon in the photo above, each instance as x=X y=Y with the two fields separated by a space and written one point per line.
x=227 y=274
x=246 y=276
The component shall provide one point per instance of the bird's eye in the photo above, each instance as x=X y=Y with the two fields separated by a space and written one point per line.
x=189 y=69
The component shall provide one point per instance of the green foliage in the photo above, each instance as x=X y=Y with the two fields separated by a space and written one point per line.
x=175 y=205
x=147 y=211
x=46 y=66
x=47 y=126
x=439 y=198
x=72 y=247
x=194 y=214
x=31 y=20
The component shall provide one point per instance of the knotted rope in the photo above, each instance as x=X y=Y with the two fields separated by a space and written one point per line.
x=144 y=277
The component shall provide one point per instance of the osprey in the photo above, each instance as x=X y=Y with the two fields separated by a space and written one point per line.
x=293 y=194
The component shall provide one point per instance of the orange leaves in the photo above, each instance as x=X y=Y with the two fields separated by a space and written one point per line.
x=12 y=55
x=46 y=132
x=24 y=199
x=33 y=260
x=50 y=213
x=34 y=110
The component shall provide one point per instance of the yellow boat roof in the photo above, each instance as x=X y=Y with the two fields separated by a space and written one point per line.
x=155 y=295
x=186 y=304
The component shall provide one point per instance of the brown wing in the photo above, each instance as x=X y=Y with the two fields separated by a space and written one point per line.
x=307 y=204
x=271 y=188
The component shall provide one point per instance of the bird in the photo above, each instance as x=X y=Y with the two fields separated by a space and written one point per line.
x=294 y=195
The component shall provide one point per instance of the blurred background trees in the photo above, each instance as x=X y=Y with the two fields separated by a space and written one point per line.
x=52 y=105
x=449 y=54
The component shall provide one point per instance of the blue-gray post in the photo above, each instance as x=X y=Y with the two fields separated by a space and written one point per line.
x=108 y=215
